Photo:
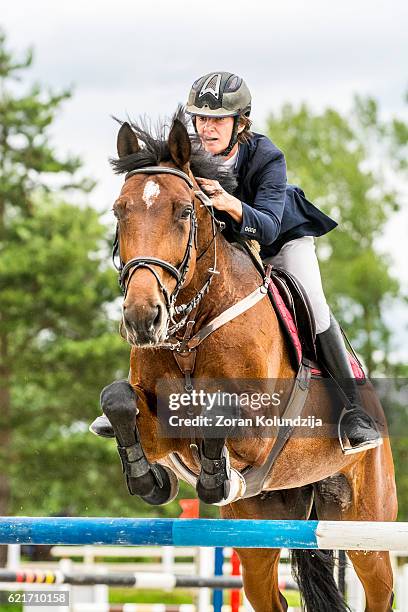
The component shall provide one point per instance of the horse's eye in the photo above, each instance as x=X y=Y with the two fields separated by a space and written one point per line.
x=186 y=213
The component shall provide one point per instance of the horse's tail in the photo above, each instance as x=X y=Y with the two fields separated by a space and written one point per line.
x=313 y=571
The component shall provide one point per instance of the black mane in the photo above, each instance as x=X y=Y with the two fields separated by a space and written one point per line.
x=154 y=149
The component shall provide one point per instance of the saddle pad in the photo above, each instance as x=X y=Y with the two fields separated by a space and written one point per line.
x=286 y=319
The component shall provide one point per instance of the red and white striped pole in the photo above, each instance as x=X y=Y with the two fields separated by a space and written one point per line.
x=235 y=597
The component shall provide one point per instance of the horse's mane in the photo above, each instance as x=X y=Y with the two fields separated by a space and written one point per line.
x=154 y=149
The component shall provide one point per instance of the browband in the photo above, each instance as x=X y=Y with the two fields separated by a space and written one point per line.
x=161 y=170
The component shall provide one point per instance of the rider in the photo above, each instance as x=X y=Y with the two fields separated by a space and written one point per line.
x=279 y=217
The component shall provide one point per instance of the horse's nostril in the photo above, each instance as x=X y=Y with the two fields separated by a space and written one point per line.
x=157 y=318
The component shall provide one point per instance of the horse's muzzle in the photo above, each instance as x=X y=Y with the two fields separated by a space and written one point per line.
x=145 y=324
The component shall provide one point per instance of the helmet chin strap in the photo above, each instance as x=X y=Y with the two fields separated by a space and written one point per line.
x=233 y=140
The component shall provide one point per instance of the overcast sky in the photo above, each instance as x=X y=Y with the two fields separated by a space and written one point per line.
x=133 y=57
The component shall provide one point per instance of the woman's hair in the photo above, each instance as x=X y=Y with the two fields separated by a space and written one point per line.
x=246 y=133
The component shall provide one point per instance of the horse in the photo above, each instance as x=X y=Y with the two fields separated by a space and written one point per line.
x=179 y=275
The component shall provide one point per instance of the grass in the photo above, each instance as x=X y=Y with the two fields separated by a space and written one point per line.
x=178 y=596
x=7 y=607
x=126 y=595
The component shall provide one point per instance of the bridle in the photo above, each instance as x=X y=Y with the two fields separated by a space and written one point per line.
x=126 y=270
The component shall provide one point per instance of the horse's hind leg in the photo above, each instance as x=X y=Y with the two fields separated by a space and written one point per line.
x=260 y=565
x=375 y=572
x=365 y=491
x=261 y=580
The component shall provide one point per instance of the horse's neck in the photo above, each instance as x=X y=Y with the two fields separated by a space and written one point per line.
x=237 y=278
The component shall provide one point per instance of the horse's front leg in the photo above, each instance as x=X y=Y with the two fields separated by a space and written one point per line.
x=154 y=483
x=214 y=483
x=218 y=483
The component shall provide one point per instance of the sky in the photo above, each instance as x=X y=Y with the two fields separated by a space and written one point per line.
x=139 y=58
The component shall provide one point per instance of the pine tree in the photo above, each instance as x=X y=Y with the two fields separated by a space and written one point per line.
x=58 y=346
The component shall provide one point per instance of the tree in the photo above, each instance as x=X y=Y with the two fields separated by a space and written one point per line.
x=353 y=166
x=58 y=346
x=348 y=166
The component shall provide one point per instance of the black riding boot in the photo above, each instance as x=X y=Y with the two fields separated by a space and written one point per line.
x=354 y=422
x=101 y=426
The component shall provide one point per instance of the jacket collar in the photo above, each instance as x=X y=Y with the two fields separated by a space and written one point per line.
x=243 y=155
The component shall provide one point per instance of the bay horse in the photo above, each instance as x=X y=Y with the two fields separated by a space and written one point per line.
x=167 y=241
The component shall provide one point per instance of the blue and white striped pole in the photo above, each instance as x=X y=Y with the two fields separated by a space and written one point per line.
x=336 y=535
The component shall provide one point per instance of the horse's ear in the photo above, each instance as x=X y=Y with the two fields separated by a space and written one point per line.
x=127 y=141
x=179 y=144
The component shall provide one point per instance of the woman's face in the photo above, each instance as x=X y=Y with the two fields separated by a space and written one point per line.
x=215 y=132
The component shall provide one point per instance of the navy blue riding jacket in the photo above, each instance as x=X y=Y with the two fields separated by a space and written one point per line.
x=273 y=211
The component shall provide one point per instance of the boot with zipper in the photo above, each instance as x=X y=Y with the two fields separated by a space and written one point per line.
x=353 y=422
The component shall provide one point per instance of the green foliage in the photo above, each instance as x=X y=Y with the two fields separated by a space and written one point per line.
x=349 y=166
x=26 y=155
x=59 y=345
x=145 y=596
x=352 y=166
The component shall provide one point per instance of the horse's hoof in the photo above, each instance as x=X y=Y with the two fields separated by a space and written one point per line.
x=164 y=494
x=143 y=486
x=102 y=427
x=213 y=483
x=230 y=491
x=236 y=488
x=214 y=495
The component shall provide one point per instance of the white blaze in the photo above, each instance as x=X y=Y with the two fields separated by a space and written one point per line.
x=150 y=192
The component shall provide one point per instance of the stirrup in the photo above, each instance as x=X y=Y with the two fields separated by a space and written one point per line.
x=345 y=445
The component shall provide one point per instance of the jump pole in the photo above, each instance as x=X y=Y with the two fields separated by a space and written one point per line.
x=140 y=580
x=335 y=535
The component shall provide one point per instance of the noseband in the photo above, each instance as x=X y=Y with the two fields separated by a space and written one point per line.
x=126 y=270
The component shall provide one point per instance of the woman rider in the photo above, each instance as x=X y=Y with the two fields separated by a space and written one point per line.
x=278 y=217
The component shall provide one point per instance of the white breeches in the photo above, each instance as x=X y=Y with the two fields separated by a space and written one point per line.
x=299 y=258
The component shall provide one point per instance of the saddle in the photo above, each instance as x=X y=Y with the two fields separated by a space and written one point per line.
x=292 y=307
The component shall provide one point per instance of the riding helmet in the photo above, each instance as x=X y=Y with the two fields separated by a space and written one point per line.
x=220 y=94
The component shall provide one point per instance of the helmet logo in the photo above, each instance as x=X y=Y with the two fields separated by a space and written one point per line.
x=212 y=86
